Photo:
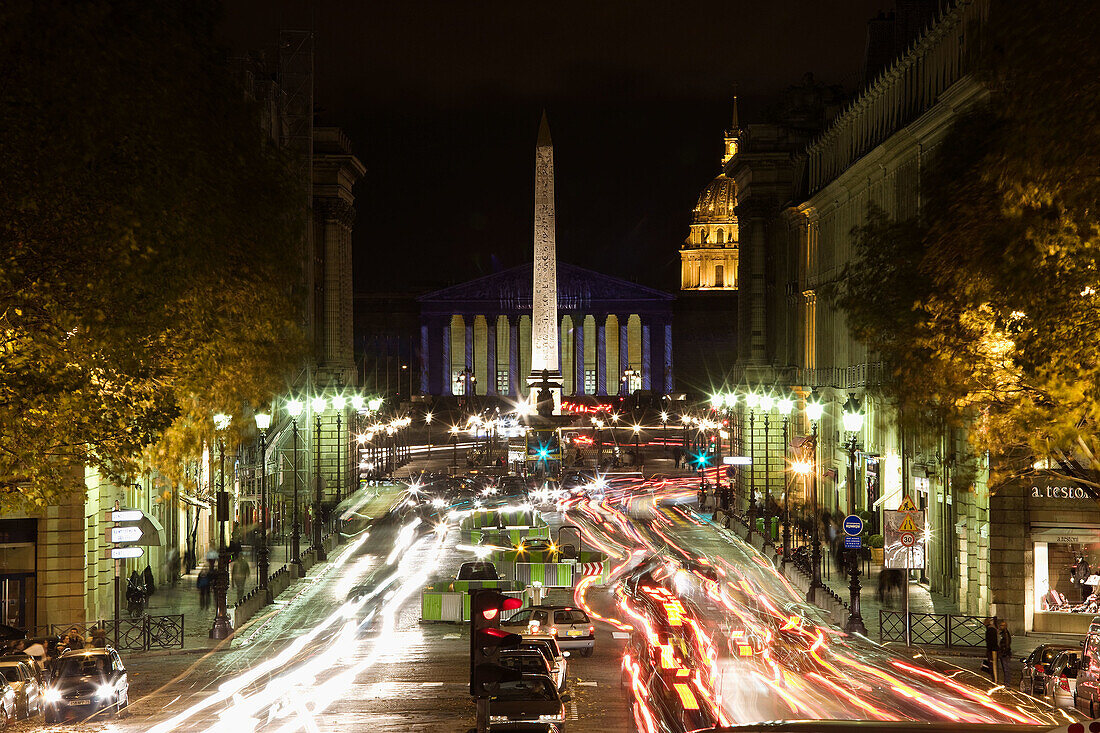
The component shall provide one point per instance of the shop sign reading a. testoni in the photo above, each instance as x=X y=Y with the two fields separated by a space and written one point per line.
x=1060 y=492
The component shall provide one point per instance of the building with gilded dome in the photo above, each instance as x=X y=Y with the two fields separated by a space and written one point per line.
x=706 y=309
x=708 y=258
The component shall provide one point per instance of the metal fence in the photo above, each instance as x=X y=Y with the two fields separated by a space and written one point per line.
x=133 y=634
x=938 y=629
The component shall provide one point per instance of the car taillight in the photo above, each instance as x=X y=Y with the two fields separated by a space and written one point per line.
x=1063 y=683
x=591 y=630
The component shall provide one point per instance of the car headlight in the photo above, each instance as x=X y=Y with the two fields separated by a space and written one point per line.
x=52 y=695
x=104 y=691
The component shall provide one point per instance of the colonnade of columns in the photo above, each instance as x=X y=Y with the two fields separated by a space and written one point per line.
x=601 y=354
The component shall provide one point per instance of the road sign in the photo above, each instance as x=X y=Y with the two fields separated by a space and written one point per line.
x=853 y=542
x=125 y=534
x=127 y=515
x=907 y=505
x=853 y=525
x=896 y=527
x=121 y=553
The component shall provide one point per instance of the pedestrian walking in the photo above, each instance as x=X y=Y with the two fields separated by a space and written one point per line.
x=203 y=584
x=173 y=568
x=992 y=650
x=1004 y=649
x=148 y=580
x=99 y=637
x=240 y=572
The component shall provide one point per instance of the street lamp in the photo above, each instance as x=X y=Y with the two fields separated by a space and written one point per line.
x=813 y=413
x=637 y=453
x=784 y=406
x=752 y=400
x=294 y=409
x=853 y=424
x=428 y=422
x=339 y=402
x=263 y=422
x=454 y=447
x=222 y=627
x=767 y=402
x=318 y=404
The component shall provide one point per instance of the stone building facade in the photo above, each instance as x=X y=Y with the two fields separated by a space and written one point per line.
x=800 y=194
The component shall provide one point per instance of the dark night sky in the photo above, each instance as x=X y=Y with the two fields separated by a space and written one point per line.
x=442 y=100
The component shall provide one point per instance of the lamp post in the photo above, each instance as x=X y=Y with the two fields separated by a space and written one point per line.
x=784 y=405
x=454 y=447
x=294 y=409
x=664 y=430
x=263 y=422
x=637 y=453
x=813 y=412
x=318 y=404
x=767 y=402
x=428 y=423
x=853 y=424
x=222 y=627
x=752 y=400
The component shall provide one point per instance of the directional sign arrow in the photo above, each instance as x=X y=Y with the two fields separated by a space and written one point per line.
x=125 y=534
x=121 y=553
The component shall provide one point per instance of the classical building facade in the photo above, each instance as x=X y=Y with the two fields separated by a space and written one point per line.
x=798 y=202
x=615 y=336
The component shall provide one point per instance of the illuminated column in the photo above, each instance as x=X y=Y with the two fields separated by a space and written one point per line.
x=544 y=293
x=624 y=352
x=601 y=355
x=490 y=355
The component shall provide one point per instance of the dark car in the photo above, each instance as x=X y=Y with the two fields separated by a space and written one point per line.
x=1036 y=672
x=86 y=681
x=527 y=661
x=482 y=570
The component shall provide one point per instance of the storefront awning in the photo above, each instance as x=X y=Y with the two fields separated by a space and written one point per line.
x=1065 y=535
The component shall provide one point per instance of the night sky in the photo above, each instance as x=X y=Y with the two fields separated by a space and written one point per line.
x=442 y=102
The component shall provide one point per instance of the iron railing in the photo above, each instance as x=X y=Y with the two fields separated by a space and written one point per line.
x=133 y=634
x=934 y=629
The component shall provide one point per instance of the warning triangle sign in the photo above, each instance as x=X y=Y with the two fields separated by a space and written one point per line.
x=907 y=505
x=908 y=525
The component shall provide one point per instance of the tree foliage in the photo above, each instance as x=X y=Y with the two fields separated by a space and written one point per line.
x=148 y=242
x=992 y=299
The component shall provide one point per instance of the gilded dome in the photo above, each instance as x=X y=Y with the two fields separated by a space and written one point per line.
x=717 y=201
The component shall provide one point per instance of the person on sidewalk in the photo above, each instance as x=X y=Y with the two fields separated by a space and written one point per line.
x=241 y=571
x=992 y=649
x=99 y=637
x=203 y=584
x=1004 y=649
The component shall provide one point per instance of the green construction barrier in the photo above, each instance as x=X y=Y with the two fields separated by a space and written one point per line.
x=431 y=606
x=514 y=536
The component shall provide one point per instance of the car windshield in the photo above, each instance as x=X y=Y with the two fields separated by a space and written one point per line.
x=570 y=617
x=82 y=666
x=526 y=663
x=10 y=673
x=529 y=689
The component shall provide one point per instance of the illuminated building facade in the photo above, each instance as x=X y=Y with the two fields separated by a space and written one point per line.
x=802 y=187
x=708 y=258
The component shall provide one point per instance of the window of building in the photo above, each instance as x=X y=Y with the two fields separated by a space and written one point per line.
x=590 y=381
x=503 y=387
x=719 y=276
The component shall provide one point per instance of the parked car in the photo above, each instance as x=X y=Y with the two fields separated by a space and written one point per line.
x=1036 y=669
x=533 y=698
x=570 y=626
x=36 y=666
x=87 y=681
x=548 y=647
x=1063 y=680
x=21 y=677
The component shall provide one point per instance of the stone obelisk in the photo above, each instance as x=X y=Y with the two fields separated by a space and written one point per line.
x=544 y=293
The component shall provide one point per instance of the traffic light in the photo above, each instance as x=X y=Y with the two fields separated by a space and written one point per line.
x=487 y=640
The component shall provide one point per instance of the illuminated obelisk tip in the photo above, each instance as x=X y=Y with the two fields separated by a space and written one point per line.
x=544 y=294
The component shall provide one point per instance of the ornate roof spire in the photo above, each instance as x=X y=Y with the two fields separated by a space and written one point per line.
x=732 y=136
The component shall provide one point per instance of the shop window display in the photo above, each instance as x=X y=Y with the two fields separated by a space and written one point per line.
x=1066 y=577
